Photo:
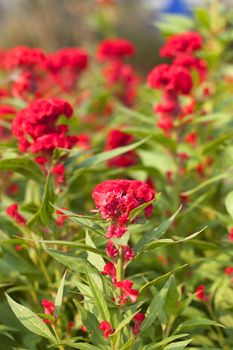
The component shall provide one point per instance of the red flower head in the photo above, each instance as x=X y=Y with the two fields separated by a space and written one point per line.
x=228 y=271
x=128 y=253
x=128 y=292
x=115 y=139
x=115 y=199
x=201 y=293
x=49 y=308
x=190 y=62
x=191 y=138
x=110 y=270
x=230 y=236
x=111 y=249
x=138 y=319
x=114 y=49
x=24 y=57
x=106 y=328
x=59 y=171
x=36 y=126
x=181 y=43
x=173 y=79
x=13 y=212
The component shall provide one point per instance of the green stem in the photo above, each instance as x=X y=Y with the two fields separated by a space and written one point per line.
x=120 y=265
x=61 y=347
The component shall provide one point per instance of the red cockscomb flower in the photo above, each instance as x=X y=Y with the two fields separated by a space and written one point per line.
x=137 y=319
x=115 y=199
x=201 y=293
x=127 y=292
x=115 y=49
x=181 y=43
x=49 y=309
x=106 y=328
x=13 y=212
x=110 y=270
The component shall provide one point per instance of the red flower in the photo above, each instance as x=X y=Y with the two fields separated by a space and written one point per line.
x=230 y=236
x=191 y=138
x=128 y=252
x=12 y=211
x=181 y=43
x=111 y=249
x=138 y=319
x=200 y=293
x=24 y=57
x=128 y=292
x=49 y=309
x=115 y=139
x=115 y=199
x=116 y=231
x=110 y=270
x=228 y=270
x=171 y=79
x=70 y=326
x=84 y=141
x=59 y=171
x=190 y=62
x=114 y=49
x=106 y=328
x=36 y=126
x=61 y=218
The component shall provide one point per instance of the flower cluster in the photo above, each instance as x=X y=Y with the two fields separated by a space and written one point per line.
x=36 y=126
x=115 y=199
x=49 y=309
x=119 y=76
x=176 y=79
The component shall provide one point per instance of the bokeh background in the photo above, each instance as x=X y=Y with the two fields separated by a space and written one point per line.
x=52 y=24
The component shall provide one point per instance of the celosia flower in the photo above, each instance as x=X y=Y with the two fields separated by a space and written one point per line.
x=201 y=293
x=115 y=139
x=191 y=138
x=230 y=234
x=70 y=326
x=171 y=79
x=228 y=270
x=189 y=62
x=200 y=168
x=36 y=126
x=114 y=49
x=65 y=65
x=115 y=231
x=122 y=80
x=24 y=57
x=13 y=212
x=106 y=328
x=59 y=171
x=49 y=309
x=138 y=319
x=127 y=292
x=61 y=217
x=110 y=270
x=181 y=43
x=115 y=199
x=128 y=253
x=111 y=249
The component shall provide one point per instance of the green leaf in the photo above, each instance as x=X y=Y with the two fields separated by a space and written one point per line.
x=104 y=156
x=24 y=166
x=161 y=278
x=156 y=233
x=229 y=203
x=206 y=183
x=99 y=299
x=94 y=258
x=137 y=211
x=156 y=305
x=211 y=146
x=72 y=261
x=197 y=322
x=169 y=241
x=128 y=345
x=30 y=320
x=165 y=341
x=180 y=345
x=59 y=296
x=125 y=322
x=45 y=212
x=81 y=346
x=91 y=323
